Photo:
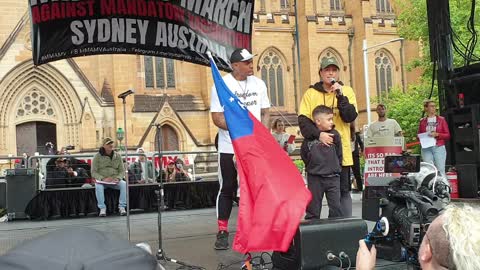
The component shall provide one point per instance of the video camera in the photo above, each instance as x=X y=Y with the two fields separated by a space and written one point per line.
x=407 y=206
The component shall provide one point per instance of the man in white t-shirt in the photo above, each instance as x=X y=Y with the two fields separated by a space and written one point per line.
x=384 y=127
x=252 y=92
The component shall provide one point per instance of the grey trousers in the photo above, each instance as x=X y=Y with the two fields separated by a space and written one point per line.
x=318 y=186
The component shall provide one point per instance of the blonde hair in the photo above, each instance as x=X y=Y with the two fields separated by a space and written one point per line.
x=426 y=101
x=462 y=226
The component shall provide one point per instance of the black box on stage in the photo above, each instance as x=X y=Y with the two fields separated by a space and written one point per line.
x=3 y=194
x=373 y=192
x=467 y=180
x=316 y=238
x=21 y=188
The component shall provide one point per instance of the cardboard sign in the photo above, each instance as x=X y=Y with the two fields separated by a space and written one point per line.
x=376 y=149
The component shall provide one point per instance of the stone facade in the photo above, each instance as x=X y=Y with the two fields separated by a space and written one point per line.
x=76 y=94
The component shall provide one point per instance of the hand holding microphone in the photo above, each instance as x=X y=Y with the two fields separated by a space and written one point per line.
x=336 y=87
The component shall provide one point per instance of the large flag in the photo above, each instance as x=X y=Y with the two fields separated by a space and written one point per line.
x=273 y=193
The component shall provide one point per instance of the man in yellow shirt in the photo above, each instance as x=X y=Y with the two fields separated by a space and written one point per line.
x=332 y=93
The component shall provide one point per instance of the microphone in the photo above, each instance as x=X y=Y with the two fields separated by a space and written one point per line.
x=338 y=91
x=126 y=93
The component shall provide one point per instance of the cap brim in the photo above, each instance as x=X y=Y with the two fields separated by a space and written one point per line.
x=330 y=65
x=250 y=57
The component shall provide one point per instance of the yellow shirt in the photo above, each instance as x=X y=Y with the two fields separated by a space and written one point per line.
x=313 y=98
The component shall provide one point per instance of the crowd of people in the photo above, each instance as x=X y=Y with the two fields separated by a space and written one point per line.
x=107 y=170
x=67 y=171
x=331 y=147
x=331 y=150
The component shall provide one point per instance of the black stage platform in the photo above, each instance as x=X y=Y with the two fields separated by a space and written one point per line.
x=74 y=202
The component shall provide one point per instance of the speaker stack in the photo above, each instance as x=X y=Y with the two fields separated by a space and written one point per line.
x=3 y=193
x=316 y=239
x=21 y=188
x=464 y=124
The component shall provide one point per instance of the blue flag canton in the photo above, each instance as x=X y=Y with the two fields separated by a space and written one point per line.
x=236 y=114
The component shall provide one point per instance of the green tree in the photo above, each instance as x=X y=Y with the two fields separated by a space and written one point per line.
x=413 y=25
x=407 y=108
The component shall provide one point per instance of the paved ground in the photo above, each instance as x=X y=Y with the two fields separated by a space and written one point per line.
x=187 y=235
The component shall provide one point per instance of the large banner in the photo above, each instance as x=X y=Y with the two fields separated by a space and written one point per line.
x=179 y=29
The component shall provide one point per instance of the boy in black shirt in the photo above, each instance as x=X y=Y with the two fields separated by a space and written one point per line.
x=324 y=166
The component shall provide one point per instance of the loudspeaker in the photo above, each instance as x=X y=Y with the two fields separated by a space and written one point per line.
x=21 y=188
x=467 y=180
x=316 y=238
x=373 y=192
x=3 y=194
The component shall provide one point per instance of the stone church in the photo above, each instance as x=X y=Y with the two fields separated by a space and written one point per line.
x=73 y=101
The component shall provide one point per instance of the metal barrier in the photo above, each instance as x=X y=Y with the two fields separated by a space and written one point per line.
x=11 y=162
x=77 y=178
x=197 y=164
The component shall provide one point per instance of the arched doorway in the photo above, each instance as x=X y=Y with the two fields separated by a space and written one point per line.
x=33 y=136
x=169 y=139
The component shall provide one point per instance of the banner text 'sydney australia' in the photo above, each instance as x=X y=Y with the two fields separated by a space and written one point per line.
x=180 y=29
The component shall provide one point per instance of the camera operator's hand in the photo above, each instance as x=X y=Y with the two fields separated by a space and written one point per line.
x=366 y=259
x=326 y=138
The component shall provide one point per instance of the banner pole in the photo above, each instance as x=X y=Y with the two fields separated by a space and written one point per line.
x=297 y=41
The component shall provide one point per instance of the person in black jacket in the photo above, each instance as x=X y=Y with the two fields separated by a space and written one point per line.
x=356 y=153
x=341 y=99
x=324 y=166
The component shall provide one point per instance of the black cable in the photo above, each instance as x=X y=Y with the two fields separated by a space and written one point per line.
x=256 y=261
x=453 y=38
x=344 y=255
x=432 y=83
x=472 y=42
x=222 y=266
x=468 y=50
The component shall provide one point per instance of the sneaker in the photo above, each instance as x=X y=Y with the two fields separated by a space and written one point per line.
x=103 y=212
x=222 y=240
x=122 y=211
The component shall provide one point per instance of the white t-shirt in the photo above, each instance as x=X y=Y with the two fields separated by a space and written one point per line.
x=387 y=128
x=252 y=93
x=431 y=124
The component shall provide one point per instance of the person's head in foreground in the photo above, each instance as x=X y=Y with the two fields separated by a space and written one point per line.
x=452 y=241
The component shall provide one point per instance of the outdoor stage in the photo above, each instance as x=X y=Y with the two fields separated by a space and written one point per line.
x=188 y=235
x=76 y=202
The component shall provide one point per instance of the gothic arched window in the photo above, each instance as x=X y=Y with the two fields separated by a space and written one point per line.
x=262 y=5
x=272 y=74
x=329 y=53
x=35 y=103
x=335 y=5
x=384 y=73
x=159 y=72
x=383 y=6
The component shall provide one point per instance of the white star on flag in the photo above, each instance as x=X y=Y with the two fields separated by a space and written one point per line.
x=231 y=99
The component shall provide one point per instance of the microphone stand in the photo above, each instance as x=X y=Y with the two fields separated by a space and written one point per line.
x=125 y=164
x=161 y=256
